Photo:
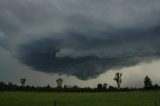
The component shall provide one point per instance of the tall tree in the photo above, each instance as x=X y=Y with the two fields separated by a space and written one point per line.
x=147 y=82
x=118 y=79
x=105 y=86
x=59 y=82
x=99 y=86
x=23 y=81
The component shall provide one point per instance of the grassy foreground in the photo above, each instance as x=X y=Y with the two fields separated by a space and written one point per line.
x=80 y=99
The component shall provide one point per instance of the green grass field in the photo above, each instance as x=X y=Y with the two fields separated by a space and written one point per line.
x=80 y=99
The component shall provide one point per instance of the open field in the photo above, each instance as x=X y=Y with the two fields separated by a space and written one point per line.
x=80 y=99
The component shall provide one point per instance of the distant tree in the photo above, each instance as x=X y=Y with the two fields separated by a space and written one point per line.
x=147 y=82
x=65 y=86
x=59 y=82
x=10 y=84
x=99 y=86
x=2 y=85
x=156 y=87
x=105 y=86
x=48 y=86
x=23 y=81
x=118 y=79
x=75 y=87
x=111 y=88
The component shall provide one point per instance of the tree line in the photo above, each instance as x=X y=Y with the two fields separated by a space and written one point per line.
x=65 y=88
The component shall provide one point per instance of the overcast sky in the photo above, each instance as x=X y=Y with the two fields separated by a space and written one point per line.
x=84 y=41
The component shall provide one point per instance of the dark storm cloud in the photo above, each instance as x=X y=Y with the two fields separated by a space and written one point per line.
x=81 y=38
x=87 y=57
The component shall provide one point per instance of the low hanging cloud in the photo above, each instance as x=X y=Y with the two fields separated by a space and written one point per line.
x=80 y=38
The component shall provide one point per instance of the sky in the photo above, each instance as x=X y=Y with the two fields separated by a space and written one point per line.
x=85 y=42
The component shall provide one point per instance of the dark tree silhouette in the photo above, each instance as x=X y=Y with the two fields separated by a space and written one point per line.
x=23 y=81
x=118 y=79
x=48 y=86
x=59 y=82
x=111 y=88
x=105 y=86
x=147 y=82
x=10 y=84
x=99 y=86
x=156 y=87
x=67 y=88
